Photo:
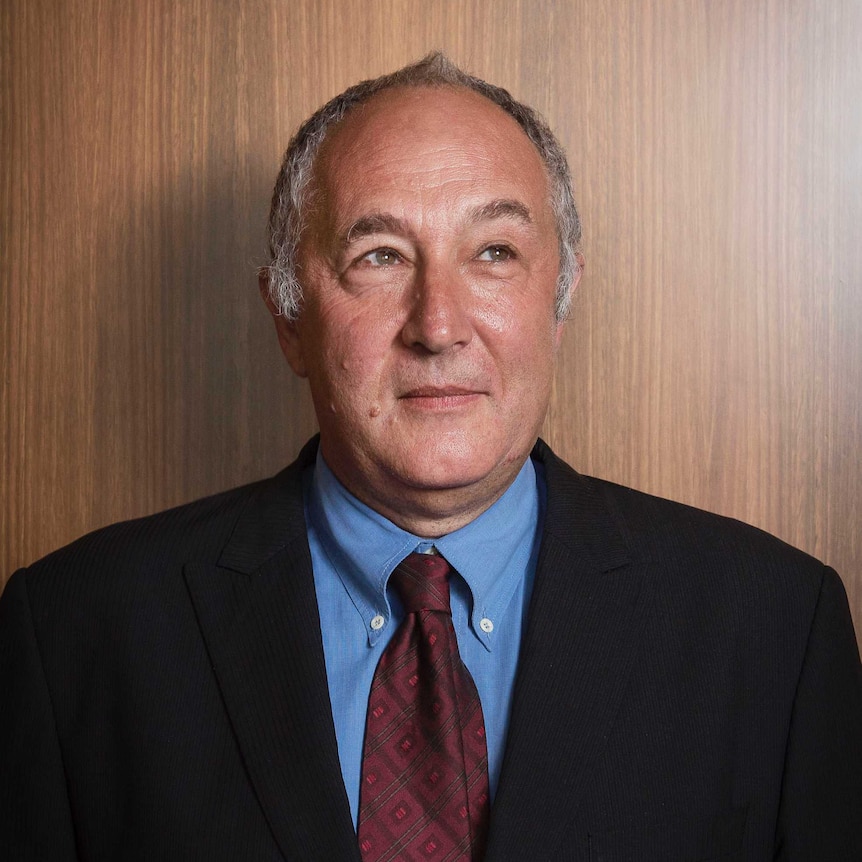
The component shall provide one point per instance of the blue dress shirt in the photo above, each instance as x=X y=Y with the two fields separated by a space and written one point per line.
x=354 y=550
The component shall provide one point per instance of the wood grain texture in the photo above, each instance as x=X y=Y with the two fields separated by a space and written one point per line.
x=715 y=349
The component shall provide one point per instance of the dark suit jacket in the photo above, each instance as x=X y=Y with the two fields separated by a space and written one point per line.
x=689 y=688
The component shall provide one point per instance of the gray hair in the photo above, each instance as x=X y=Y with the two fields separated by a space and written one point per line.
x=290 y=198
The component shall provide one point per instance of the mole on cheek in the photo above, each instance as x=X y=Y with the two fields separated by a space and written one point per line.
x=374 y=411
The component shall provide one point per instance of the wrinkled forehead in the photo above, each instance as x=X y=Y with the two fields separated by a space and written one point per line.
x=409 y=138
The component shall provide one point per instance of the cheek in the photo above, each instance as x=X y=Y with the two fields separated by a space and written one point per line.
x=347 y=367
x=528 y=331
x=522 y=308
x=531 y=358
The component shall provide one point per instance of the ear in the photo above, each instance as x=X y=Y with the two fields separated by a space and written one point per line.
x=289 y=339
x=558 y=334
x=574 y=286
x=578 y=273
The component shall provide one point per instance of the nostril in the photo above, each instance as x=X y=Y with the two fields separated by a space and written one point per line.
x=436 y=333
x=438 y=318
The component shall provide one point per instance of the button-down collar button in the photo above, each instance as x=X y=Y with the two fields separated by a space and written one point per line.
x=486 y=625
x=378 y=622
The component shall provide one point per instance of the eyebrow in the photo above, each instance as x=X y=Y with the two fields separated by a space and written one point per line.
x=371 y=224
x=502 y=208
x=381 y=222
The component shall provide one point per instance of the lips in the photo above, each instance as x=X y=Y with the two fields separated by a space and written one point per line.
x=440 y=398
x=440 y=392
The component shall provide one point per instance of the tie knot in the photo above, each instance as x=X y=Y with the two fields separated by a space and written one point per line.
x=421 y=581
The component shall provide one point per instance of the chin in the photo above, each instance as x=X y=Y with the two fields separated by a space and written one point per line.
x=445 y=470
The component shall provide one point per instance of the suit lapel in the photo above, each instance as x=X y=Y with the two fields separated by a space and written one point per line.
x=588 y=607
x=258 y=614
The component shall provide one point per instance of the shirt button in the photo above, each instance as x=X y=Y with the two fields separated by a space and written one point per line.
x=378 y=622
x=486 y=625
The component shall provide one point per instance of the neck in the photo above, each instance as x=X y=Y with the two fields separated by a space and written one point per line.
x=429 y=512
x=433 y=514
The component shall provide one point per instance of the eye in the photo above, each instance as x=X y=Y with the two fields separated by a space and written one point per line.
x=496 y=254
x=381 y=257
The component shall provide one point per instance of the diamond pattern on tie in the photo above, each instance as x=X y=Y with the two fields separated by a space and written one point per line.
x=424 y=793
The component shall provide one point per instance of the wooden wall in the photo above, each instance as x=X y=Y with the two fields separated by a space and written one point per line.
x=715 y=350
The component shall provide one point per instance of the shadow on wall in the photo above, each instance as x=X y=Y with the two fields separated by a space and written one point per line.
x=191 y=393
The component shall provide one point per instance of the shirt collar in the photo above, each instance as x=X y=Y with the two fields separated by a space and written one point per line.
x=491 y=553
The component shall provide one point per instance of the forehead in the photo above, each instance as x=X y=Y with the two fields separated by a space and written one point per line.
x=413 y=147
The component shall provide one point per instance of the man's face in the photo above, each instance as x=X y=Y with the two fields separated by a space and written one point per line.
x=427 y=333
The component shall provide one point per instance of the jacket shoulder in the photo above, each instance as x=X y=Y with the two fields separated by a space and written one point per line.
x=686 y=545
x=196 y=529
x=658 y=525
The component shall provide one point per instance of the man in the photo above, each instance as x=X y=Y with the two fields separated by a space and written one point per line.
x=654 y=683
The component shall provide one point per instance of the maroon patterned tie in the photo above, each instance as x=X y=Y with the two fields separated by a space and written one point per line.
x=424 y=792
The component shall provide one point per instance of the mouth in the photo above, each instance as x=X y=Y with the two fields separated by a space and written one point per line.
x=440 y=397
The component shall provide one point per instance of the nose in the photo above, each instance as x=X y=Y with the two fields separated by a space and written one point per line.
x=439 y=316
